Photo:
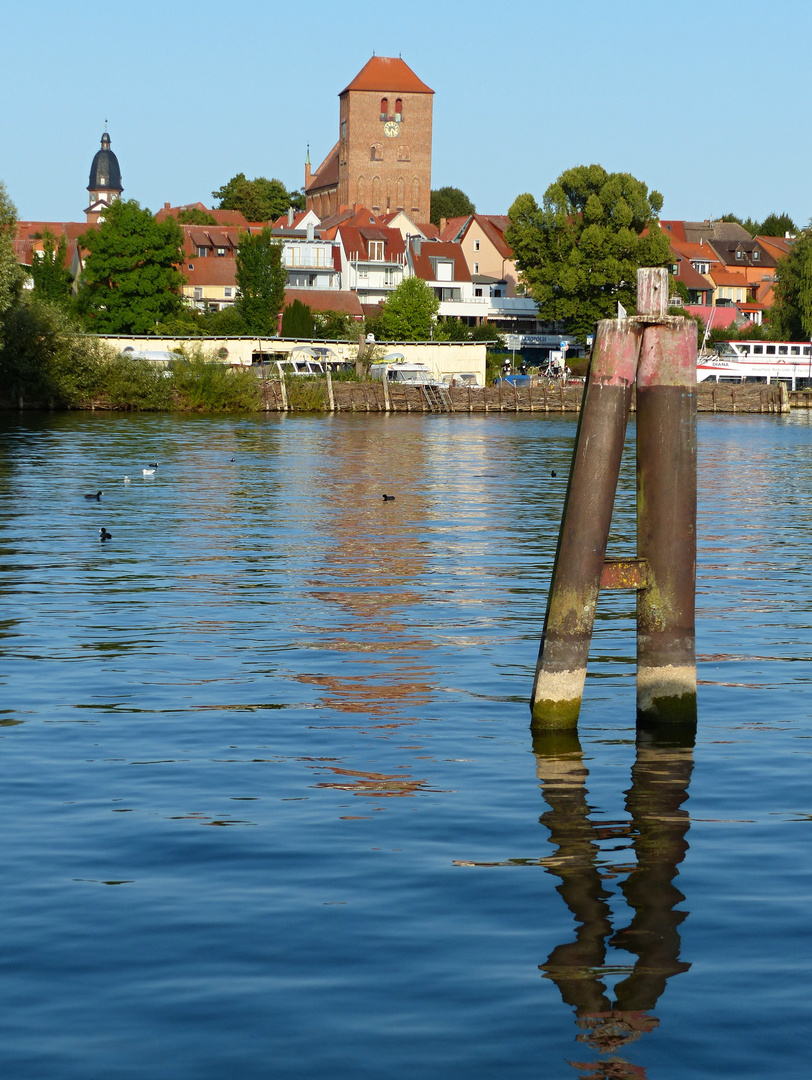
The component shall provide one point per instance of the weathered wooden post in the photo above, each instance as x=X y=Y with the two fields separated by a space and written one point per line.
x=666 y=521
x=664 y=572
x=579 y=559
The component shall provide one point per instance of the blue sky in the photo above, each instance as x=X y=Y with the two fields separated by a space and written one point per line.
x=709 y=103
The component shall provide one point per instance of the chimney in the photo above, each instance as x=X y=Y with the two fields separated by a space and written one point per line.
x=290 y=216
x=167 y=206
x=443 y=223
x=311 y=231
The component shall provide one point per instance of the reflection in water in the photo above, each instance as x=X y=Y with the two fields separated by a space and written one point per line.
x=658 y=828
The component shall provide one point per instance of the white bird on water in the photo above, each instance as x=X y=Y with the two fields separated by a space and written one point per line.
x=148 y=472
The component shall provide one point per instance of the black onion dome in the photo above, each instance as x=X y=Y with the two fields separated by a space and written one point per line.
x=105 y=171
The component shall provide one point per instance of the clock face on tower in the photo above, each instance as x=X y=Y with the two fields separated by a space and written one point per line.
x=391 y=128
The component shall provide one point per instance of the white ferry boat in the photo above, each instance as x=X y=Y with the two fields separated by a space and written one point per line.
x=758 y=361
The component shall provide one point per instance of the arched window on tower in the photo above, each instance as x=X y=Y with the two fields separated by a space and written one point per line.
x=376 y=152
x=403 y=152
x=399 y=109
x=401 y=193
x=384 y=108
x=415 y=194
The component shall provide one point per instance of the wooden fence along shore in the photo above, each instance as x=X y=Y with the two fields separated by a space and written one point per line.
x=381 y=397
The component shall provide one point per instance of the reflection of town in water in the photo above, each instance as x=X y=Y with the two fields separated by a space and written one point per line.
x=657 y=827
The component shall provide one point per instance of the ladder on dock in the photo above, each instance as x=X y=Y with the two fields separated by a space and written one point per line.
x=438 y=398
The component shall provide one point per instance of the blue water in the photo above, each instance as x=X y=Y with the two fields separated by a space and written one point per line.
x=270 y=804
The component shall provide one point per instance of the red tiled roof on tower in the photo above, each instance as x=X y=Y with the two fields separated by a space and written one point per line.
x=387 y=73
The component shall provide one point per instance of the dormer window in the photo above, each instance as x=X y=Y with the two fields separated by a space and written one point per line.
x=221 y=251
x=202 y=252
x=384 y=108
x=755 y=256
x=738 y=254
x=376 y=250
x=399 y=109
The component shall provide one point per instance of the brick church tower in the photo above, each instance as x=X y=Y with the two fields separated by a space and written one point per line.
x=382 y=159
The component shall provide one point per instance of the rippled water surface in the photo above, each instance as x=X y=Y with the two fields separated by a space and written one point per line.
x=270 y=803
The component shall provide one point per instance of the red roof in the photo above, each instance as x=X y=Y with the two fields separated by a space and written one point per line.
x=424 y=268
x=388 y=73
x=341 y=300
x=210 y=271
x=354 y=240
x=327 y=173
x=453 y=227
x=728 y=277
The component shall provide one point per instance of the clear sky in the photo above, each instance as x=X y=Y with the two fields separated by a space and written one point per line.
x=707 y=102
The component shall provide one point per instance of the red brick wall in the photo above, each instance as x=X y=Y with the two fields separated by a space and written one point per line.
x=399 y=176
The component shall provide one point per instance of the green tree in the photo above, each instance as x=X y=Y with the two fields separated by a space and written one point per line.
x=580 y=251
x=335 y=326
x=261 y=280
x=52 y=281
x=297 y=321
x=131 y=281
x=791 y=314
x=449 y=202
x=408 y=313
x=11 y=274
x=259 y=199
x=777 y=225
x=193 y=215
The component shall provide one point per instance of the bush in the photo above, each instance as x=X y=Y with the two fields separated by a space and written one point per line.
x=202 y=385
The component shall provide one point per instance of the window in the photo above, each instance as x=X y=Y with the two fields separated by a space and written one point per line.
x=782 y=350
x=755 y=256
x=221 y=252
x=376 y=250
x=384 y=108
x=477 y=292
x=476 y=245
x=738 y=254
x=399 y=109
x=227 y=291
x=202 y=252
x=770 y=350
x=795 y=350
x=376 y=152
x=190 y=266
x=675 y=269
x=758 y=350
x=343 y=129
x=476 y=268
x=198 y=292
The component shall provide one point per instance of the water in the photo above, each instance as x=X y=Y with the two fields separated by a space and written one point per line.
x=270 y=803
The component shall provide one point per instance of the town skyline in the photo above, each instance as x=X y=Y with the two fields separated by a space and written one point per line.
x=633 y=90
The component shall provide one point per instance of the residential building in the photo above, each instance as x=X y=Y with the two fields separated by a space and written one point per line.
x=372 y=259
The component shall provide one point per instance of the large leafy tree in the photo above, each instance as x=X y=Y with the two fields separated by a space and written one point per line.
x=131 y=282
x=791 y=314
x=261 y=278
x=579 y=251
x=11 y=276
x=259 y=199
x=408 y=313
x=449 y=202
x=52 y=281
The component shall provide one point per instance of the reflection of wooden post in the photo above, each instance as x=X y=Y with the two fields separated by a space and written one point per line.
x=561 y=668
x=666 y=522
